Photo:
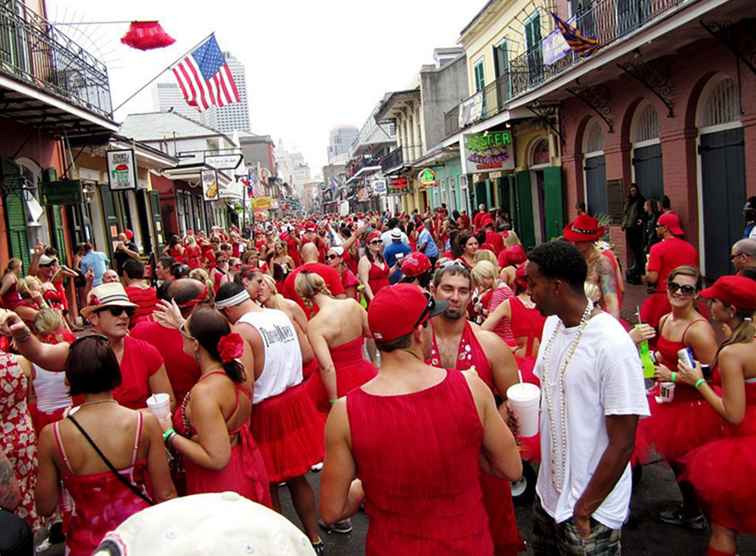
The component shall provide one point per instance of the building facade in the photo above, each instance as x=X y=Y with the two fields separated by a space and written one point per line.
x=340 y=141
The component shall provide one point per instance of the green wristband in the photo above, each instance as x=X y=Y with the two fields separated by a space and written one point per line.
x=168 y=433
x=674 y=376
x=700 y=382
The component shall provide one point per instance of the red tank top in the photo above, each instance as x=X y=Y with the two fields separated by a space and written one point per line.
x=427 y=501
x=378 y=277
x=470 y=354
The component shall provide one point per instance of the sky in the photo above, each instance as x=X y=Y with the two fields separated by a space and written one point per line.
x=311 y=64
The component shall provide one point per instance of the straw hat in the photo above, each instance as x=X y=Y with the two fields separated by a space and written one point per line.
x=106 y=295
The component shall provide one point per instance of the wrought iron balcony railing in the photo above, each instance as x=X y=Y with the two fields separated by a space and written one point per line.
x=604 y=20
x=32 y=50
x=392 y=160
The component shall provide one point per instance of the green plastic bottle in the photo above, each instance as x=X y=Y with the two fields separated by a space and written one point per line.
x=649 y=369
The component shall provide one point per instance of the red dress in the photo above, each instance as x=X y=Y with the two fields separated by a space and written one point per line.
x=425 y=501
x=140 y=361
x=491 y=300
x=289 y=431
x=193 y=255
x=378 y=277
x=146 y=300
x=11 y=299
x=17 y=439
x=497 y=493
x=244 y=473
x=527 y=323
x=100 y=501
x=723 y=471
x=675 y=428
x=352 y=371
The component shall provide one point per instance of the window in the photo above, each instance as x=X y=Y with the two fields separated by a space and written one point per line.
x=593 y=137
x=534 y=48
x=645 y=124
x=480 y=75
x=501 y=58
x=721 y=105
x=540 y=152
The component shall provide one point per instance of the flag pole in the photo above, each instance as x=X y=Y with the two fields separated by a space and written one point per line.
x=176 y=61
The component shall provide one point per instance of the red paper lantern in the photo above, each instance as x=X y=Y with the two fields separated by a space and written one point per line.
x=147 y=35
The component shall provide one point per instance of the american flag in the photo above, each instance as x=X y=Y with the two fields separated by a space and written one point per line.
x=204 y=77
x=581 y=44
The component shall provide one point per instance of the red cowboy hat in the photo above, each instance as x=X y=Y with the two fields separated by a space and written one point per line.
x=583 y=228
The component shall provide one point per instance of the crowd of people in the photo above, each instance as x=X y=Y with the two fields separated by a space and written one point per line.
x=381 y=349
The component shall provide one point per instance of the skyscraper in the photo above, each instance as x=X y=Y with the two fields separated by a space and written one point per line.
x=339 y=142
x=227 y=119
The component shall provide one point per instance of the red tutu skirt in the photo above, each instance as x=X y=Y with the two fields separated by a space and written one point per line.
x=310 y=368
x=289 y=432
x=244 y=474
x=497 y=500
x=674 y=429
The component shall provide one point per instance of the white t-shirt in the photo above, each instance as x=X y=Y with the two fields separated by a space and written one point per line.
x=603 y=378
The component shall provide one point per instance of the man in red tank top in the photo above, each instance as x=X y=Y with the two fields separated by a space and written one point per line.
x=460 y=344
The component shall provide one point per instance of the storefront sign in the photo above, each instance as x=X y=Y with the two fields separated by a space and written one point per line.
x=210 y=185
x=399 y=183
x=64 y=192
x=122 y=170
x=363 y=194
x=223 y=161
x=262 y=203
x=379 y=187
x=427 y=178
x=471 y=110
x=493 y=150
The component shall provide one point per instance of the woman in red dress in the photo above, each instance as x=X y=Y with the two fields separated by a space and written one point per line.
x=337 y=335
x=130 y=440
x=140 y=292
x=335 y=259
x=175 y=249
x=668 y=432
x=9 y=296
x=527 y=325
x=464 y=248
x=492 y=293
x=373 y=269
x=210 y=428
x=192 y=253
x=722 y=471
x=427 y=500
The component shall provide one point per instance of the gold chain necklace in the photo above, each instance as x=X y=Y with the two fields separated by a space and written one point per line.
x=558 y=471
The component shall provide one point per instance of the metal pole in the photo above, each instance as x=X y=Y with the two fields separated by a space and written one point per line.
x=177 y=60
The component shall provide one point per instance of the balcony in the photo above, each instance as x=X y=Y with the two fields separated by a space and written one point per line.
x=605 y=20
x=392 y=160
x=37 y=54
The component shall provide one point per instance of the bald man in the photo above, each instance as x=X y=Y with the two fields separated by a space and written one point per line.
x=743 y=255
x=330 y=275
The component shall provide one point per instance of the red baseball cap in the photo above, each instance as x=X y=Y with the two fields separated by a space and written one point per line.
x=310 y=227
x=671 y=221
x=397 y=310
x=738 y=291
x=415 y=264
x=373 y=235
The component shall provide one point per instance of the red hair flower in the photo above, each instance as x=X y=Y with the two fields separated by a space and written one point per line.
x=230 y=347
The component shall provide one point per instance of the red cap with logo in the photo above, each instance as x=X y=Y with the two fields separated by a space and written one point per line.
x=671 y=221
x=415 y=264
x=397 y=310
x=738 y=291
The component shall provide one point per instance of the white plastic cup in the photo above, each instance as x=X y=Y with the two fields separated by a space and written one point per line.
x=160 y=405
x=667 y=391
x=525 y=399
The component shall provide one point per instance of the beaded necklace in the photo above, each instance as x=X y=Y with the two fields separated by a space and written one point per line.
x=558 y=471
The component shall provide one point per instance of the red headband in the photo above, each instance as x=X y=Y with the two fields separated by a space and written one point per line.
x=200 y=298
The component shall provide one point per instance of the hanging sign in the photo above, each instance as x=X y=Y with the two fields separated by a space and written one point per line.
x=492 y=150
x=209 y=185
x=262 y=203
x=399 y=183
x=379 y=187
x=223 y=161
x=427 y=178
x=122 y=170
x=63 y=192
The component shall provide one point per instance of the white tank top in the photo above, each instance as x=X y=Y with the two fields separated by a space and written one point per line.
x=51 y=390
x=283 y=356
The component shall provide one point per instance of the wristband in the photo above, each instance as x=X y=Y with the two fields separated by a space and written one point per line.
x=168 y=433
x=674 y=376
x=332 y=401
x=700 y=382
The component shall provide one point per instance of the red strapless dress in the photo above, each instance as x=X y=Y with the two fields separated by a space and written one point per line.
x=352 y=371
x=722 y=472
x=11 y=299
x=146 y=300
x=378 y=277
x=497 y=493
x=527 y=323
x=97 y=503
x=674 y=429
x=244 y=473
x=425 y=501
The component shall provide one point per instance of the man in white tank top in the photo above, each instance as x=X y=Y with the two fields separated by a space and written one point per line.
x=271 y=337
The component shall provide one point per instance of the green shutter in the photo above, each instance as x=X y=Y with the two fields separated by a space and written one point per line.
x=59 y=235
x=16 y=218
x=554 y=201
x=480 y=76
x=157 y=218
x=524 y=210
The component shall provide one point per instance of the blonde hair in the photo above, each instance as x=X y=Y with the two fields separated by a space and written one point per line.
x=484 y=270
x=310 y=284
x=488 y=256
x=512 y=239
x=27 y=285
x=201 y=275
x=47 y=321
x=12 y=263
x=742 y=334
x=276 y=300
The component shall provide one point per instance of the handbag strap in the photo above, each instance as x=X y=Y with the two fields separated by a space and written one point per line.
x=131 y=486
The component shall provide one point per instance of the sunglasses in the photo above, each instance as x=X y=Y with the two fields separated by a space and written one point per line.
x=117 y=311
x=735 y=256
x=376 y=241
x=426 y=311
x=684 y=289
x=331 y=257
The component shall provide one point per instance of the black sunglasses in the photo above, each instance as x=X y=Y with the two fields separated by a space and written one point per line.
x=117 y=311
x=684 y=289
x=331 y=257
x=426 y=311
